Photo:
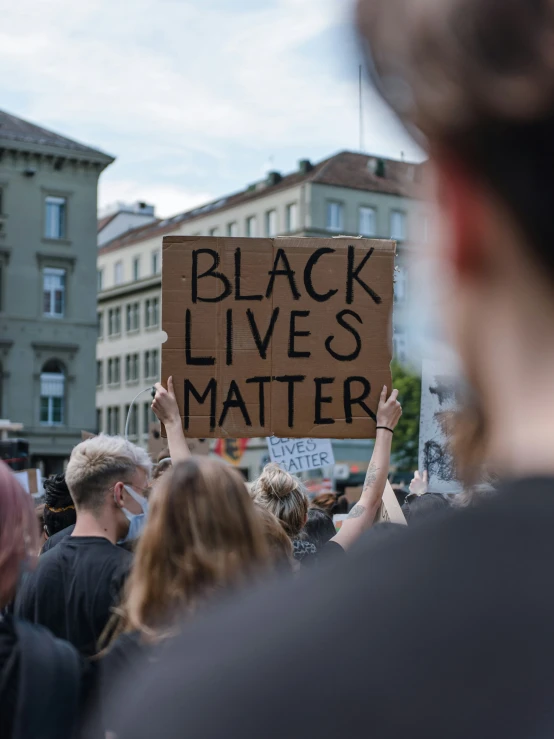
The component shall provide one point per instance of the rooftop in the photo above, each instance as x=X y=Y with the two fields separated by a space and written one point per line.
x=345 y=169
x=18 y=130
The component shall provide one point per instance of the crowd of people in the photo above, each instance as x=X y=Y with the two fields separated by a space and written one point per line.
x=175 y=600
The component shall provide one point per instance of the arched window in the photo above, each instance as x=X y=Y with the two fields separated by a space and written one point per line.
x=52 y=394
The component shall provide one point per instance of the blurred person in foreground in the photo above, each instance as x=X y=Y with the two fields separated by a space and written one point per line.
x=460 y=614
x=76 y=584
x=42 y=679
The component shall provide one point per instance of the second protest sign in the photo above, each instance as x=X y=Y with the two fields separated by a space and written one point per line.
x=277 y=337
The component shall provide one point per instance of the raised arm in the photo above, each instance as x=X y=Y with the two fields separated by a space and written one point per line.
x=166 y=409
x=363 y=514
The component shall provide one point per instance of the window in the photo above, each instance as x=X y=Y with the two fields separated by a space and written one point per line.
x=155 y=262
x=52 y=394
x=251 y=227
x=54 y=224
x=292 y=217
x=99 y=280
x=100 y=324
x=99 y=420
x=114 y=321
x=366 y=226
x=335 y=216
x=400 y=284
x=131 y=368
x=233 y=229
x=152 y=313
x=214 y=231
x=136 y=268
x=118 y=273
x=271 y=223
x=397 y=225
x=131 y=414
x=114 y=371
x=132 y=318
x=151 y=361
x=99 y=373
x=113 y=420
x=54 y=292
x=400 y=346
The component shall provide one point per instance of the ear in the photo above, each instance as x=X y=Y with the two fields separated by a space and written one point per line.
x=463 y=200
x=118 y=490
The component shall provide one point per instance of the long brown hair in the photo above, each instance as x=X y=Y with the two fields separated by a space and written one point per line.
x=203 y=534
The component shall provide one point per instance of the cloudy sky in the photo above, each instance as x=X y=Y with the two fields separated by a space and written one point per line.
x=195 y=98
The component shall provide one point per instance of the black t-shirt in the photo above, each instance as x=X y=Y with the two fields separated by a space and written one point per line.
x=73 y=589
x=51 y=542
x=442 y=632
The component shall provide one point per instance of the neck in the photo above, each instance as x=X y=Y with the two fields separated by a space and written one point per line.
x=518 y=395
x=92 y=524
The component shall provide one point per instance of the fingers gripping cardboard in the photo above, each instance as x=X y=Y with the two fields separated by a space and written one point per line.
x=283 y=337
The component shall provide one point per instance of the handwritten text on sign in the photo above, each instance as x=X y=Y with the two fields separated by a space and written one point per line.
x=299 y=455
x=283 y=337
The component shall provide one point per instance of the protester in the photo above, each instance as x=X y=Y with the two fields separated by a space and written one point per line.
x=42 y=679
x=419 y=507
x=42 y=536
x=318 y=529
x=279 y=543
x=76 y=584
x=59 y=515
x=331 y=503
x=284 y=495
x=166 y=409
x=204 y=536
x=450 y=624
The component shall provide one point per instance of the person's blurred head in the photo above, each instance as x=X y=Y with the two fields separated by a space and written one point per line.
x=284 y=495
x=18 y=533
x=203 y=535
x=162 y=466
x=319 y=528
x=474 y=80
x=418 y=507
x=331 y=503
x=100 y=474
x=279 y=543
x=59 y=509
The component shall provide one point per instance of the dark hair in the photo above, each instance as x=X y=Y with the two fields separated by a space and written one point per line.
x=417 y=507
x=476 y=77
x=319 y=528
x=59 y=509
x=331 y=503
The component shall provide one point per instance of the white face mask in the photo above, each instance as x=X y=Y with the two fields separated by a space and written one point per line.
x=137 y=521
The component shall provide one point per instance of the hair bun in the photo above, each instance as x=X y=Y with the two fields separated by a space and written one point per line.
x=56 y=492
x=275 y=482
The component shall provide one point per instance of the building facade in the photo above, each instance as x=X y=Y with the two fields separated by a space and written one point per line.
x=349 y=193
x=48 y=203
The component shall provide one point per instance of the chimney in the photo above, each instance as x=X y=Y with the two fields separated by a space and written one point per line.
x=305 y=166
x=273 y=178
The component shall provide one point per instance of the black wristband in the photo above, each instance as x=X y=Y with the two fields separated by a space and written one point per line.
x=386 y=428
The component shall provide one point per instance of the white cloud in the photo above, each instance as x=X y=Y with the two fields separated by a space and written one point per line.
x=176 y=86
x=169 y=199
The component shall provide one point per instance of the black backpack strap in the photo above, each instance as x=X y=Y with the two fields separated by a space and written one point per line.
x=49 y=685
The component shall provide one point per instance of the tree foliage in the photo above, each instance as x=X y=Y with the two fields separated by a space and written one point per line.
x=406 y=436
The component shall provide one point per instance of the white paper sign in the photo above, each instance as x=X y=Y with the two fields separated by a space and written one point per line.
x=438 y=399
x=31 y=481
x=299 y=455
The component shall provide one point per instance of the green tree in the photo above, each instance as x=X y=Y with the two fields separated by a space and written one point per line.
x=405 y=443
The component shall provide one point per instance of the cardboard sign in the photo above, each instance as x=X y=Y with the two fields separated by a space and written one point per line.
x=299 y=455
x=277 y=337
x=438 y=402
x=31 y=481
x=390 y=509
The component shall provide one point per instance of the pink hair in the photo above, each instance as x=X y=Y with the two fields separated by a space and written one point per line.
x=18 y=532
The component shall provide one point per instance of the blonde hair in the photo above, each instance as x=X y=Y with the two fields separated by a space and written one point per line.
x=284 y=495
x=203 y=534
x=98 y=463
x=279 y=543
